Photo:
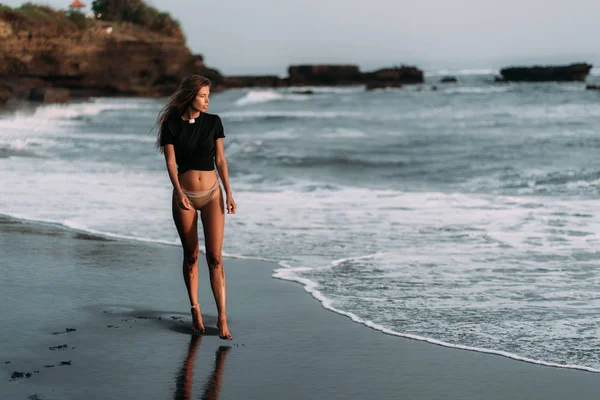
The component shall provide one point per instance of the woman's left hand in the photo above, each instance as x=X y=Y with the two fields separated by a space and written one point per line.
x=231 y=206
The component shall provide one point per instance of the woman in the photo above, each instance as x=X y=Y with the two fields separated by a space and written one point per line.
x=192 y=142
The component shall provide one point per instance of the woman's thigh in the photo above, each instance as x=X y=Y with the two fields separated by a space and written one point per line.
x=213 y=223
x=186 y=222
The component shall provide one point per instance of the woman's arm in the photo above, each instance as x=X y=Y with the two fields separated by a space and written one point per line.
x=221 y=164
x=182 y=200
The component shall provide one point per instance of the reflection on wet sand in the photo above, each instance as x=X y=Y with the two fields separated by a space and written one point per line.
x=185 y=377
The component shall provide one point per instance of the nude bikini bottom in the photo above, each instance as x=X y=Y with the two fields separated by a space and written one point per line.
x=199 y=199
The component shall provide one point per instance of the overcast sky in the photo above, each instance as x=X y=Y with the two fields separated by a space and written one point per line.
x=265 y=36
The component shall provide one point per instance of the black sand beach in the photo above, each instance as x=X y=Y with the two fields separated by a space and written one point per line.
x=94 y=318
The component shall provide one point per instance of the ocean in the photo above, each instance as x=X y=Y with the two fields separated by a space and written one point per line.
x=467 y=216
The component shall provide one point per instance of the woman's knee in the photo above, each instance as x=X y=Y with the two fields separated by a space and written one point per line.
x=214 y=259
x=190 y=255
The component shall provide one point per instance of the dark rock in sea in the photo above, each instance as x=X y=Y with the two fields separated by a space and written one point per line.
x=65 y=362
x=448 y=79
x=303 y=92
x=593 y=87
x=403 y=74
x=383 y=85
x=59 y=347
x=568 y=73
x=335 y=75
x=329 y=75
x=50 y=95
x=269 y=81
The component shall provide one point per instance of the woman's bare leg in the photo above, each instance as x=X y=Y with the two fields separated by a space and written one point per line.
x=213 y=224
x=186 y=222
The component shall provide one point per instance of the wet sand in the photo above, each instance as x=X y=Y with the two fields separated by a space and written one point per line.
x=89 y=317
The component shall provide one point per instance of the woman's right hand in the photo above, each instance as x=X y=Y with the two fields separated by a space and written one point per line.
x=183 y=201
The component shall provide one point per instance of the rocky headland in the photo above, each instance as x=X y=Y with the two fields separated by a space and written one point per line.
x=42 y=49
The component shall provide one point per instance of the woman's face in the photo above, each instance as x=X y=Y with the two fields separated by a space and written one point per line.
x=200 y=103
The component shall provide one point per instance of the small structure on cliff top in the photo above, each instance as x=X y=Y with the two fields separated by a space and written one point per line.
x=76 y=4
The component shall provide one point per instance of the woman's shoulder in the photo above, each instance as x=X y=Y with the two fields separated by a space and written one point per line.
x=211 y=122
x=212 y=117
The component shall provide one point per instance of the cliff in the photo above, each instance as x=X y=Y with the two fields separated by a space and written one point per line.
x=92 y=58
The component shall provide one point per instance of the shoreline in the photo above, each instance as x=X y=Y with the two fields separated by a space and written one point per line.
x=308 y=286
x=120 y=298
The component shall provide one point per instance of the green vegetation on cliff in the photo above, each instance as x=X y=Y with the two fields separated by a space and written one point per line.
x=33 y=16
x=136 y=12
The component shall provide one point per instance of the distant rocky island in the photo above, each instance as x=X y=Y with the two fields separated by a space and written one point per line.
x=555 y=73
x=132 y=49
x=332 y=75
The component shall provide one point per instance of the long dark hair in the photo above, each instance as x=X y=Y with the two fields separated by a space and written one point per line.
x=179 y=102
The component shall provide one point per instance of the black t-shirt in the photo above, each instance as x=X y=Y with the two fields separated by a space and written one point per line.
x=194 y=143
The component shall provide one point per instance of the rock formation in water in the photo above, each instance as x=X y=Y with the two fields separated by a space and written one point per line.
x=448 y=79
x=332 y=75
x=327 y=75
x=566 y=73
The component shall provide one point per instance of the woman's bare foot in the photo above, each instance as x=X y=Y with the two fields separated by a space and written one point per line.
x=223 y=329
x=197 y=325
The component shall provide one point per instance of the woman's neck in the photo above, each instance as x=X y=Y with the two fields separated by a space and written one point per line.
x=191 y=113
